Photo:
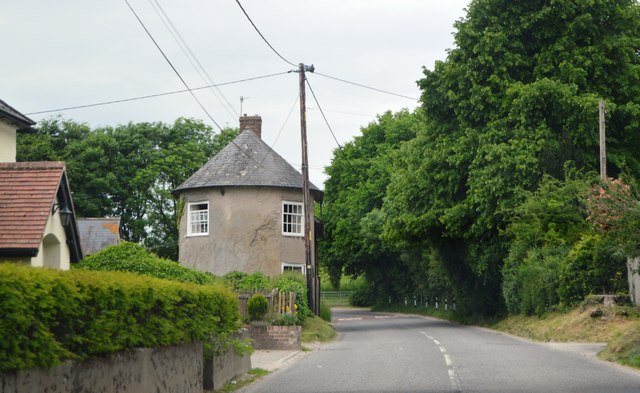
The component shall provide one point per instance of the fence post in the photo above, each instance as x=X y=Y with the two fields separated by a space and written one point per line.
x=436 y=302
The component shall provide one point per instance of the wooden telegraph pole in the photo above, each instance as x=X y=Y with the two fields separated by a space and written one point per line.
x=312 y=280
x=603 y=143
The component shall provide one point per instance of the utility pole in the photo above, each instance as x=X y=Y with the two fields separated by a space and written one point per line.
x=312 y=278
x=603 y=143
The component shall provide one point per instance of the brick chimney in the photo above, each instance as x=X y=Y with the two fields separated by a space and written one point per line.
x=253 y=123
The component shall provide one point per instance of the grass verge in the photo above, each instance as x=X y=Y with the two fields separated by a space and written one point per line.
x=253 y=375
x=317 y=329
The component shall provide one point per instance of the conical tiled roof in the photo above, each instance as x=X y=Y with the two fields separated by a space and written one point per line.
x=247 y=161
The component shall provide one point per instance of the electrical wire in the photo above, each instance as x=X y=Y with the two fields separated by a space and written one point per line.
x=193 y=59
x=183 y=81
x=262 y=36
x=151 y=95
x=341 y=148
x=172 y=66
x=366 y=87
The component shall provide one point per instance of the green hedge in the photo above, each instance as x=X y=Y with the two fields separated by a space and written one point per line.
x=131 y=257
x=48 y=316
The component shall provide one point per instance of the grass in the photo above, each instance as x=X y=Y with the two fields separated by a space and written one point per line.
x=253 y=375
x=317 y=329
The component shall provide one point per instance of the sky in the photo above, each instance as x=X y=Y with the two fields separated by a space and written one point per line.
x=59 y=54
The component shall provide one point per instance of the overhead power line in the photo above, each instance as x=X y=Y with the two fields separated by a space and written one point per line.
x=340 y=147
x=68 y=108
x=193 y=59
x=367 y=87
x=172 y=66
x=262 y=36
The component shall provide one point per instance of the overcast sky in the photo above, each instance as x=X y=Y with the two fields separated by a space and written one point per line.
x=65 y=53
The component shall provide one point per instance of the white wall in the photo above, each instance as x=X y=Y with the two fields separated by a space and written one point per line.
x=7 y=142
x=54 y=251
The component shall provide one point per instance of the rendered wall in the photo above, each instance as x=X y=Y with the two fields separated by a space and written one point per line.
x=245 y=231
x=7 y=142
x=226 y=366
x=53 y=229
x=173 y=369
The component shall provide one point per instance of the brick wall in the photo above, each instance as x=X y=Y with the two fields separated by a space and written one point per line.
x=276 y=337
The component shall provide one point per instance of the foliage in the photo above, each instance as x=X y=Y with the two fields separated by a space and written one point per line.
x=541 y=231
x=592 y=266
x=295 y=282
x=286 y=319
x=50 y=316
x=128 y=171
x=247 y=282
x=130 y=257
x=257 y=307
x=514 y=101
x=614 y=211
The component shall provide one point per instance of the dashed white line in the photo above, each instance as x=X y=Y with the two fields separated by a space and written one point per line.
x=451 y=369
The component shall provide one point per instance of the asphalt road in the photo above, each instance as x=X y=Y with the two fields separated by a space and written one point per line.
x=399 y=353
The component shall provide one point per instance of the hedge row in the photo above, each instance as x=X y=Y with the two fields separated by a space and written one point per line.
x=48 y=316
x=131 y=257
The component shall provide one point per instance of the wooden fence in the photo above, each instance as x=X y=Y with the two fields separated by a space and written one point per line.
x=279 y=303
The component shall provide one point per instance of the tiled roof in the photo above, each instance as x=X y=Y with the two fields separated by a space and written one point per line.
x=27 y=192
x=98 y=233
x=247 y=161
x=13 y=116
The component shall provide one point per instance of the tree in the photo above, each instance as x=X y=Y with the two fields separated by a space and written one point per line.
x=128 y=171
x=515 y=99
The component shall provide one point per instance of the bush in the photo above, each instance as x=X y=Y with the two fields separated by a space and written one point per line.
x=133 y=258
x=592 y=266
x=239 y=281
x=257 y=307
x=295 y=282
x=49 y=316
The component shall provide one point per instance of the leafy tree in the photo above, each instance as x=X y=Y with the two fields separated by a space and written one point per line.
x=128 y=170
x=514 y=100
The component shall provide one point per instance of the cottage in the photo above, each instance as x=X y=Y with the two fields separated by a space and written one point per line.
x=37 y=220
x=243 y=210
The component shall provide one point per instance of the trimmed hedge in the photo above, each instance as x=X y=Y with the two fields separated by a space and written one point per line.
x=48 y=316
x=131 y=257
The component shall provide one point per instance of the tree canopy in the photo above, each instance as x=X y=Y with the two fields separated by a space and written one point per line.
x=515 y=101
x=128 y=171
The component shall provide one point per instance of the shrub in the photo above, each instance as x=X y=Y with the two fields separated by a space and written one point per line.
x=49 y=316
x=247 y=282
x=257 y=307
x=295 y=282
x=133 y=258
x=592 y=266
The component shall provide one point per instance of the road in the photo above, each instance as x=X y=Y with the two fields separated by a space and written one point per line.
x=401 y=353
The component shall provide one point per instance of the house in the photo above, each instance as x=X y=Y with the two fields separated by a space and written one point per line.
x=98 y=233
x=11 y=122
x=243 y=210
x=37 y=220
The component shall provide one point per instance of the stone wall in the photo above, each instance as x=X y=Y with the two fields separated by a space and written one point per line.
x=276 y=337
x=172 y=369
x=633 y=269
x=226 y=366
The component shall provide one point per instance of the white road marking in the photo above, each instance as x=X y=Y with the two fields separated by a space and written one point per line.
x=451 y=369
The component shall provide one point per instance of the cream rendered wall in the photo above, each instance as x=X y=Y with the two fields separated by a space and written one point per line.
x=245 y=232
x=54 y=228
x=7 y=142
